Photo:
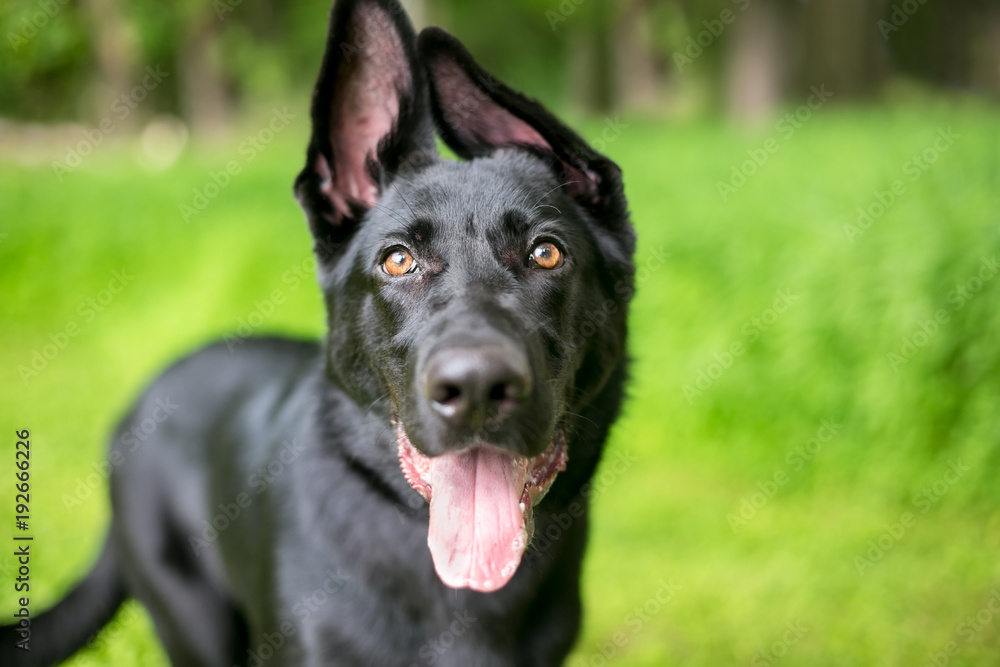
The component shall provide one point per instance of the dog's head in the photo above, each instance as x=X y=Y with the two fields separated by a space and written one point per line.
x=481 y=301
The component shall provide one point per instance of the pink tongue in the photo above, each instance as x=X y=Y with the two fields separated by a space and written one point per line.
x=476 y=534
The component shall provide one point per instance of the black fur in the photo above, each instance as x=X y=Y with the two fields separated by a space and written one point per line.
x=323 y=559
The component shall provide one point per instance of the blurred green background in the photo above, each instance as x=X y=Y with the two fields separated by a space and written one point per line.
x=807 y=471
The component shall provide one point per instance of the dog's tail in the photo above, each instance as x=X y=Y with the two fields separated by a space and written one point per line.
x=58 y=633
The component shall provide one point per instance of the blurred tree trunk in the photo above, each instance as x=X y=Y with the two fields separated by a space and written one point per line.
x=984 y=64
x=205 y=98
x=115 y=49
x=841 y=46
x=953 y=37
x=590 y=68
x=638 y=69
x=755 y=62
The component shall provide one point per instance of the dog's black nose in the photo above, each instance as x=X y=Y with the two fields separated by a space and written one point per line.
x=478 y=386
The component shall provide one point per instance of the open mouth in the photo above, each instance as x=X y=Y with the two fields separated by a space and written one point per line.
x=481 y=500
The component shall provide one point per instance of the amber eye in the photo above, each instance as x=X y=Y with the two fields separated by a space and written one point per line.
x=546 y=255
x=398 y=262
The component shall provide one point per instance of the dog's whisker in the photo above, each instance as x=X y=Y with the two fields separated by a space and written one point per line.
x=372 y=405
x=406 y=203
x=577 y=414
x=557 y=209
x=388 y=211
x=536 y=206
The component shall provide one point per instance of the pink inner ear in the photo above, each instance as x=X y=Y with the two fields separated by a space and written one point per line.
x=472 y=114
x=373 y=72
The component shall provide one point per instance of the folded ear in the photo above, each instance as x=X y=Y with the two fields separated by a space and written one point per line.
x=476 y=114
x=370 y=116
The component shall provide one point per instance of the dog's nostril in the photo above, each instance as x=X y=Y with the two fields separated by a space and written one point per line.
x=505 y=391
x=466 y=386
x=498 y=392
x=445 y=393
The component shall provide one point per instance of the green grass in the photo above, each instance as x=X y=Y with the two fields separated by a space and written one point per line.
x=660 y=519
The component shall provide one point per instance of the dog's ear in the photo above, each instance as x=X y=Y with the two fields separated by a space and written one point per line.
x=477 y=114
x=370 y=117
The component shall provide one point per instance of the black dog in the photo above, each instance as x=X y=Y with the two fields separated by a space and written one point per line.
x=475 y=357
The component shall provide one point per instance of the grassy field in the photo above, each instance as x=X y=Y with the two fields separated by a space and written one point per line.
x=809 y=463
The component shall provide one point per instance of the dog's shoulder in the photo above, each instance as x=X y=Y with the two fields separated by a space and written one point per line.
x=222 y=378
x=271 y=355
